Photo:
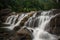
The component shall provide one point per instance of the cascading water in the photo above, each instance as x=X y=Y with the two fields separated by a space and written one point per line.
x=39 y=32
x=12 y=19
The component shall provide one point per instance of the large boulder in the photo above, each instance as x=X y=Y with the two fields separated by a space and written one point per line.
x=55 y=25
x=22 y=34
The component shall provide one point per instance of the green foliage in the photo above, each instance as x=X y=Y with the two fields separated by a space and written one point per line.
x=28 y=5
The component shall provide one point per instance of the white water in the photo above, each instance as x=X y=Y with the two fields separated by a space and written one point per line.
x=39 y=32
x=12 y=23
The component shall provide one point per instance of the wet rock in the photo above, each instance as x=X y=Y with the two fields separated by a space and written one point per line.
x=24 y=20
x=5 y=33
x=38 y=13
x=55 y=25
x=55 y=11
x=3 y=18
x=4 y=12
x=22 y=34
x=3 y=25
x=58 y=39
x=34 y=22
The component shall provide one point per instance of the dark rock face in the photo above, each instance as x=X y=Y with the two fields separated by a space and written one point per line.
x=4 y=12
x=22 y=34
x=55 y=11
x=38 y=13
x=55 y=25
x=5 y=33
x=23 y=21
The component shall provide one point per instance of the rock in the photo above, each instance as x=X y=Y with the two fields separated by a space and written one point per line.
x=5 y=33
x=38 y=13
x=23 y=21
x=3 y=25
x=22 y=34
x=55 y=25
x=4 y=12
x=55 y=11
x=3 y=18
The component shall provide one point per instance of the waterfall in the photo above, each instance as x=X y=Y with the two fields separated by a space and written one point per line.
x=39 y=32
x=12 y=19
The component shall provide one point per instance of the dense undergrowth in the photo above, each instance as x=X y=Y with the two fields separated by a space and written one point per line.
x=29 y=5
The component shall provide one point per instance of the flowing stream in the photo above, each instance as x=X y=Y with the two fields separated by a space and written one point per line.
x=39 y=32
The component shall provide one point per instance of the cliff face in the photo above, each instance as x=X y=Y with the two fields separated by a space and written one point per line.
x=4 y=13
x=55 y=25
x=25 y=34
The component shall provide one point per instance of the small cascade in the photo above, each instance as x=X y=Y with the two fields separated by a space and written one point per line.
x=11 y=20
x=30 y=21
